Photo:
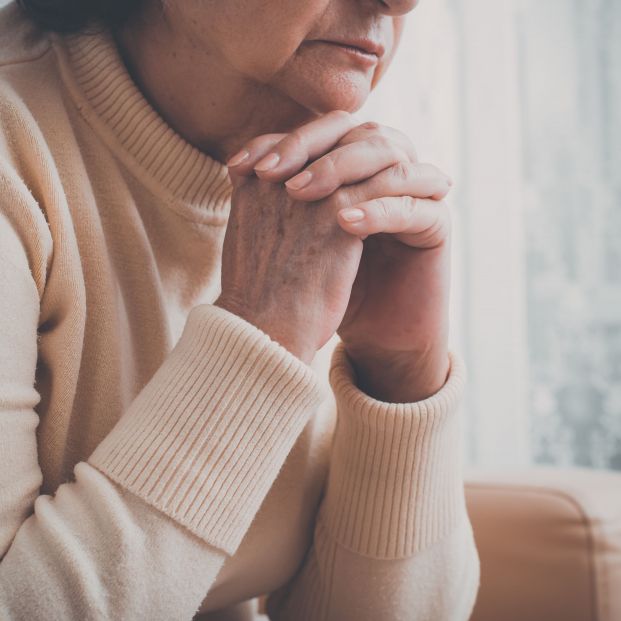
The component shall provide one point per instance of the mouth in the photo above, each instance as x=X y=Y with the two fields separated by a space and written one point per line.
x=365 y=46
x=366 y=51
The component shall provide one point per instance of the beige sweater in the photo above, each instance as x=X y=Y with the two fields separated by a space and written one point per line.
x=161 y=458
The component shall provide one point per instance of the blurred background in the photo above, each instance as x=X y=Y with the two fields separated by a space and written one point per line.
x=520 y=101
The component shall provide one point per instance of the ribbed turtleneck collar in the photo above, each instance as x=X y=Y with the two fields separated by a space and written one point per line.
x=110 y=100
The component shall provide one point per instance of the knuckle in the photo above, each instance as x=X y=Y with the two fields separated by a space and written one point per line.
x=371 y=126
x=326 y=171
x=340 y=200
x=383 y=209
x=329 y=164
x=401 y=171
x=381 y=141
x=407 y=210
x=296 y=141
x=387 y=145
x=443 y=231
x=410 y=203
x=440 y=230
x=422 y=169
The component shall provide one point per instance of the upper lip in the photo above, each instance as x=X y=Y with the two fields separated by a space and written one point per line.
x=366 y=45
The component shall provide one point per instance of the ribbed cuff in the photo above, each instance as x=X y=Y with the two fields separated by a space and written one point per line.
x=206 y=437
x=395 y=484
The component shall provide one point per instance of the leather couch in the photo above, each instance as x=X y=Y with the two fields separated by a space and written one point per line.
x=549 y=541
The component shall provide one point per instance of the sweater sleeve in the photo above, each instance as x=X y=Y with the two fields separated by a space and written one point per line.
x=168 y=495
x=392 y=539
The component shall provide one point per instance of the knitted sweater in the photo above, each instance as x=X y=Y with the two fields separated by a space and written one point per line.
x=161 y=458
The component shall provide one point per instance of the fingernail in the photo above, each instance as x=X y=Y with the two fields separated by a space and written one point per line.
x=352 y=215
x=268 y=162
x=300 y=181
x=238 y=158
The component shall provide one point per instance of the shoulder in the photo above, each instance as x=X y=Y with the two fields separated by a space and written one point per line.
x=28 y=86
x=32 y=105
x=22 y=41
x=28 y=75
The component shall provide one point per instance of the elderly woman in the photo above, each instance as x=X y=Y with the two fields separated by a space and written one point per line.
x=189 y=212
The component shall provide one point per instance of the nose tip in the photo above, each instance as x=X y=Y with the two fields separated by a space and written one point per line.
x=398 y=7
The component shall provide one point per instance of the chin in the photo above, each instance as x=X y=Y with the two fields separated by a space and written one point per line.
x=345 y=94
x=319 y=84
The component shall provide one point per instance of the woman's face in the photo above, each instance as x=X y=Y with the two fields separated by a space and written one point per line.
x=297 y=47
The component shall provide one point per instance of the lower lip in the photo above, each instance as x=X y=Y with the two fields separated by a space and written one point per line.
x=355 y=53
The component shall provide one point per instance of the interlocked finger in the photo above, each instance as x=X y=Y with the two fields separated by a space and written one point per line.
x=417 y=222
x=295 y=149
x=351 y=163
x=371 y=128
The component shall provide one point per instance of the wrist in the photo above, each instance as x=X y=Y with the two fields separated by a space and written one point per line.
x=276 y=330
x=400 y=377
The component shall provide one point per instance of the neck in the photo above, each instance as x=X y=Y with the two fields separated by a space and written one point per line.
x=210 y=105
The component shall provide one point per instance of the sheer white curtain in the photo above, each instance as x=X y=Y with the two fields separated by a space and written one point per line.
x=521 y=100
x=571 y=101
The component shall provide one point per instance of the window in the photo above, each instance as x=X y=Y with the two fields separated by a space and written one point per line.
x=520 y=101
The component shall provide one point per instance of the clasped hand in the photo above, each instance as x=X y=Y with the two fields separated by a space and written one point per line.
x=356 y=241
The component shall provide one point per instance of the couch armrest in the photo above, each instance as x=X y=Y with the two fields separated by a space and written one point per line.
x=549 y=541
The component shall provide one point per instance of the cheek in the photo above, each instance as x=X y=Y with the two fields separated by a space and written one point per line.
x=264 y=37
